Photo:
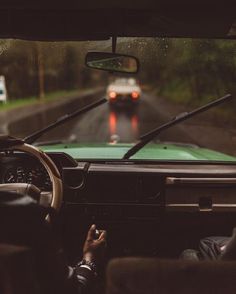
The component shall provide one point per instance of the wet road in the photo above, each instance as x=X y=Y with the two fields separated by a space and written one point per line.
x=104 y=124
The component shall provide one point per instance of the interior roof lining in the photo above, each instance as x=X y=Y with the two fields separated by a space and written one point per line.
x=91 y=25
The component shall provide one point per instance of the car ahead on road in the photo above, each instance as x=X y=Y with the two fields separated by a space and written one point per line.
x=123 y=92
x=156 y=196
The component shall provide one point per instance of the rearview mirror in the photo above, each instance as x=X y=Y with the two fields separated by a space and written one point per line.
x=112 y=62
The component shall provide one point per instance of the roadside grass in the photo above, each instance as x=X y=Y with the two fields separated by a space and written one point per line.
x=49 y=97
x=177 y=93
x=181 y=97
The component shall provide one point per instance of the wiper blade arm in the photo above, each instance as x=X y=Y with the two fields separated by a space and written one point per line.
x=145 y=139
x=33 y=137
x=53 y=142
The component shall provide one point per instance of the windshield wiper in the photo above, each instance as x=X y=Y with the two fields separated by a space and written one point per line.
x=52 y=142
x=33 y=137
x=145 y=139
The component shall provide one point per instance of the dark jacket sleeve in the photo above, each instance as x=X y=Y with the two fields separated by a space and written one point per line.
x=55 y=274
x=80 y=280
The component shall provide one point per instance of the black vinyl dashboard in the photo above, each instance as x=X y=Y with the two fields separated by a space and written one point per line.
x=165 y=203
x=130 y=189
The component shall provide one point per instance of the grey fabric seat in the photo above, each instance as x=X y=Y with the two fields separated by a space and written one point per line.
x=153 y=276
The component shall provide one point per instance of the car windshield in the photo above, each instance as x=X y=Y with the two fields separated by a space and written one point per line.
x=41 y=81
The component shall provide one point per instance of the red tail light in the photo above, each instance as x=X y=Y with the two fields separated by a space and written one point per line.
x=112 y=95
x=135 y=95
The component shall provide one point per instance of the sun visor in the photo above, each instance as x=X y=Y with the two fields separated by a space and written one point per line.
x=101 y=24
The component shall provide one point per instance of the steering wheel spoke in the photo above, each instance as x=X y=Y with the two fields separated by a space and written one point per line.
x=22 y=189
x=45 y=198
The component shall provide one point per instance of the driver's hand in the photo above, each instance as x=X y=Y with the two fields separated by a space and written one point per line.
x=94 y=249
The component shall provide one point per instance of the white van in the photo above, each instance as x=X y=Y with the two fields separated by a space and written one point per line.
x=3 y=90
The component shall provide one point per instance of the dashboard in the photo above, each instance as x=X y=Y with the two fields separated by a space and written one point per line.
x=148 y=207
x=179 y=201
x=115 y=190
x=130 y=189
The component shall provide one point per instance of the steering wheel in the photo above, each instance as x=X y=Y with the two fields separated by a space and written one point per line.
x=54 y=199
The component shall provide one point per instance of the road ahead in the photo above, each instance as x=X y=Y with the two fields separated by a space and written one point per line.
x=103 y=124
